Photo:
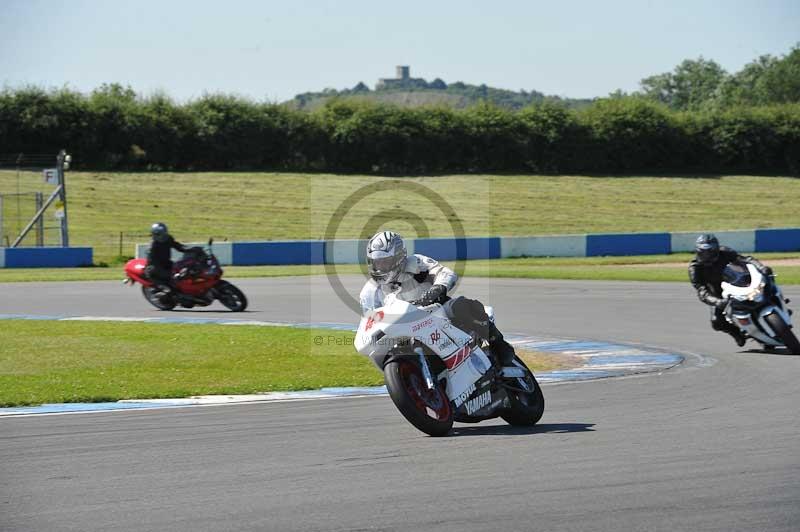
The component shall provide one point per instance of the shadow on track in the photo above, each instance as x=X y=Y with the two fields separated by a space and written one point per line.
x=508 y=430
x=202 y=310
x=780 y=351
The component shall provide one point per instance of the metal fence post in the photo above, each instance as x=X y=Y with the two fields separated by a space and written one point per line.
x=40 y=221
x=62 y=196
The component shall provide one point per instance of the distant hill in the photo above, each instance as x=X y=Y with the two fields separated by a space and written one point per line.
x=406 y=91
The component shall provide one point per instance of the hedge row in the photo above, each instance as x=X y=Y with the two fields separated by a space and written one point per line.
x=114 y=129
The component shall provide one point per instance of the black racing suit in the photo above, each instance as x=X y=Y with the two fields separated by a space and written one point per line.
x=707 y=280
x=159 y=261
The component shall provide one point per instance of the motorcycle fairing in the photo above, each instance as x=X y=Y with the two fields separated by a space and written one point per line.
x=755 y=325
x=397 y=321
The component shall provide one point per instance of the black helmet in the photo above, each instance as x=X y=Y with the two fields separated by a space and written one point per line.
x=707 y=248
x=159 y=232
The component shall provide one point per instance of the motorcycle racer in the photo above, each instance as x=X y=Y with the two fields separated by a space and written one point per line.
x=705 y=274
x=422 y=281
x=159 y=262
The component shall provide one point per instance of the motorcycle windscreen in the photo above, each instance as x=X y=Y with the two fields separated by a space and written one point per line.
x=736 y=275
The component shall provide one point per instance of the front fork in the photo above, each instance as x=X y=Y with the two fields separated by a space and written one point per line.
x=426 y=370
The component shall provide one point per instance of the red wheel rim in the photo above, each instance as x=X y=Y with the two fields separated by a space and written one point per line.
x=434 y=403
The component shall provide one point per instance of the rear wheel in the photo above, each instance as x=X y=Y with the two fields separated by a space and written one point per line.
x=428 y=410
x=527 y=400
x=165 y=302
x=231 y=297
x=784 y=332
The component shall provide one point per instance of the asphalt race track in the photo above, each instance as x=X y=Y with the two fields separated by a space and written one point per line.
x=712 y=445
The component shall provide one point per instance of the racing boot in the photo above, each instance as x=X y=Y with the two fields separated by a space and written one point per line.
x=721 y=325
x=163 y=291
x=502 y=350
x=738 y=336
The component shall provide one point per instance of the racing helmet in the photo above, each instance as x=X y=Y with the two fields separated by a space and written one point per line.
x=707 y=248
x=159 y=232
x=386 y=256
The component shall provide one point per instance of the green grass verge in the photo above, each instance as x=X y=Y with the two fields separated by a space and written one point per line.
x=273 y=206
x=64 y=362
x=51 y=361
x=665 y=268
x=644 y=268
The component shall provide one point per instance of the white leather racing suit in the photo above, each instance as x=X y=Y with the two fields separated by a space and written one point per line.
x=419 y=275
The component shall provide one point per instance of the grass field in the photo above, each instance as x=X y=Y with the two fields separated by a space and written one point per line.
x=54 y=362
x=645 y=268
x=274 y=206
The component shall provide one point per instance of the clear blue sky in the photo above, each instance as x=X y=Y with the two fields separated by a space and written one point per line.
x=276 y=49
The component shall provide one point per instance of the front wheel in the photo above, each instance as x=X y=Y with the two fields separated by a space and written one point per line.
x=428 y=410
x=164 y=302
x=783 y=332
x=231 y=297
x=527 y=399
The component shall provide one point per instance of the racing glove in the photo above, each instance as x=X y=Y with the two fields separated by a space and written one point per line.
x=721 y=303
x=435 y=294
x=768 y=271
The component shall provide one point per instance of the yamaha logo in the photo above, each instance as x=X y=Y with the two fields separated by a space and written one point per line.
x=473 y=405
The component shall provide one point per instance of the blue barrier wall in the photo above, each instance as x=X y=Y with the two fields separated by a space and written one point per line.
x=543 y=246
x=628 y=244
x=743 y=241
x=346 y=251
x=222 y=250
x=448 y=249
x=46 y=257
x=777 y=240
x=459 y=248
x=287 y=252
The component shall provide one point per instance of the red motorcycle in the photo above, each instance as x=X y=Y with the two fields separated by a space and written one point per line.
x=197 y=278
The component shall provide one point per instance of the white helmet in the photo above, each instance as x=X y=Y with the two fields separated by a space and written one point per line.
x=386 y=256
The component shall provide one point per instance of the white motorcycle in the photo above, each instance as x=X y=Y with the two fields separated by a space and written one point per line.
x=757 y=306
x=436 y=373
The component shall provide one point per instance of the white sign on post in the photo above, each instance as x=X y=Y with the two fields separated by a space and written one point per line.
x=50 y=176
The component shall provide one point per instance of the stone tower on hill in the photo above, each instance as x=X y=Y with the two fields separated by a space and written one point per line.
x=402 y=81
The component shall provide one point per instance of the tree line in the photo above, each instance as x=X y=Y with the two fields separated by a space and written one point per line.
x=113 y=129
x=704 y=84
